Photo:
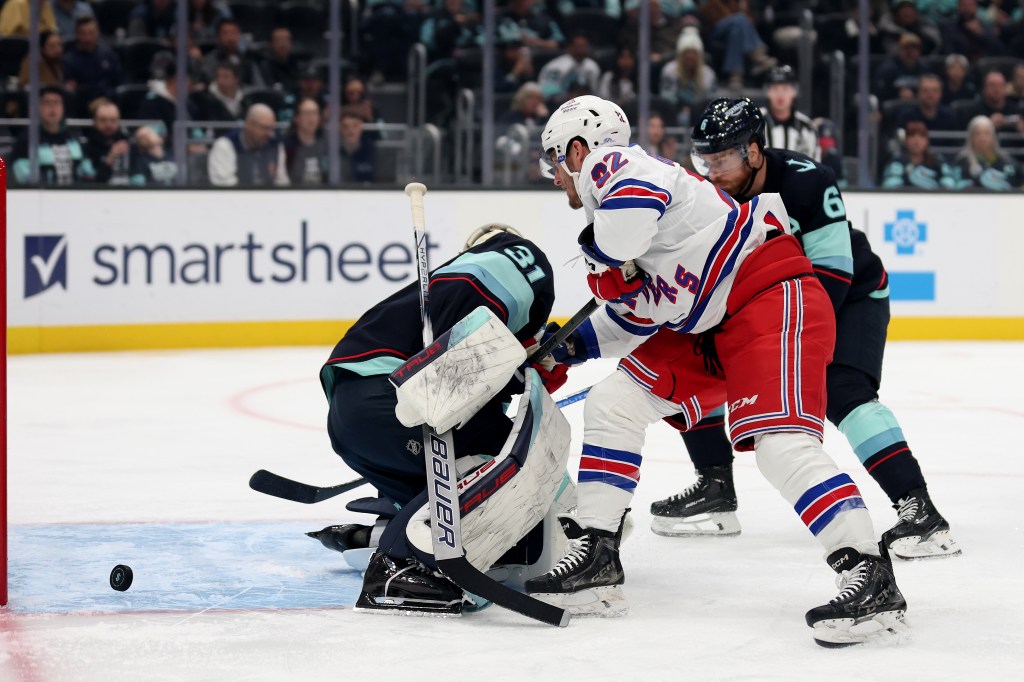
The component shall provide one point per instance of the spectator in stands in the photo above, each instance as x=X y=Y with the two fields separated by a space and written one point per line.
x=150 y=165
x=152 y=19
x=905 y=18
x=389 y=28
x=1004 y=113
x=664 y=33
x=929 y=108
x=160 y=105
x=14 y=18
x=449 y=29
x=281 y=68
x=687 y=81
x=831 y=155
x=897 y=76
x=566 y=8
x=527 y=107
x=311 y=85
x=917 y=165
x=981 y=163
x=1015 y=88
x=620 y=84
x=222 y=101
x=968 y=35
x=204 y=16
x=252 y=156
x=575 y=65
x=358 y=149
x=658 y=141
x=91 y=69
x=515 y=65
x=106 y=144
x=532 y=24
x=51 y=68
x=957 y=85
x=354 y=96
x=733 y=30
x=67 y=13
x=305 y=146
x=786 y=127
x=229 y=49
x=62 y=161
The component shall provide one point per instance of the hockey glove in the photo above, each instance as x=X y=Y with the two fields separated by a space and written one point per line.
x=610 y=280
x=552 y=374
x=571 y=352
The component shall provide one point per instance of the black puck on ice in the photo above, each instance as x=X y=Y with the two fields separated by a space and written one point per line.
x=121 y=577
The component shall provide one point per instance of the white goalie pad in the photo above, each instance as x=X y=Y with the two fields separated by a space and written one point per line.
x=507 y=496
x=447 y=382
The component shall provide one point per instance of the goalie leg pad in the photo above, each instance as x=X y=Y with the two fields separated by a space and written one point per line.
x=507 y=496
x=447 y=382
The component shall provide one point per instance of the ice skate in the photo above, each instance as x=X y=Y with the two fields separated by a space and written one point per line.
x=406 y=587
x=588 y=579
x=869 y=607
x=921 y=532
x=708 y=507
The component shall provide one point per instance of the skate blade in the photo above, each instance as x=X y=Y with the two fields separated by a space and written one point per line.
x=885 y=628
x=408 y=613
x=714 y=523
x=596 y=602
x=939 y=545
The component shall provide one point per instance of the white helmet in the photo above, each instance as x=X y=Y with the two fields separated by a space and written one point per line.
x=599 y=122
x=485 y=232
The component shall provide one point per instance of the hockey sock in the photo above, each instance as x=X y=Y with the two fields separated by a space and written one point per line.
x=607 y=480
x=708 y=443
x=878 y=440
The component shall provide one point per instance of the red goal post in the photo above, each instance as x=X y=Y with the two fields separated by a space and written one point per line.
x=3 y=388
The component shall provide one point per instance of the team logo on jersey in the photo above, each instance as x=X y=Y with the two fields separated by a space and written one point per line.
x=46 y=263
x=414 y=446
x=906 y=232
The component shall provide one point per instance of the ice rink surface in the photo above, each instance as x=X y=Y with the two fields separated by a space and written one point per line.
x=144 y=458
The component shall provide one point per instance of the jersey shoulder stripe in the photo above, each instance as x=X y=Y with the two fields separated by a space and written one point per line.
x=635 y=193
x=500 y=276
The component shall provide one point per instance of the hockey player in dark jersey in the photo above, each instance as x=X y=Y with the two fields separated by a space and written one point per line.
x=510 y=277
x=728 y=149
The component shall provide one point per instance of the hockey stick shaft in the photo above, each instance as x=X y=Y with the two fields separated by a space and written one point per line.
x=439 y=449
x=566 y=330
x=269 y=483
x=442 y=490
x=275 y=485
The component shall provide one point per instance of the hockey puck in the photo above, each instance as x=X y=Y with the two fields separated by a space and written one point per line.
x=121 y=578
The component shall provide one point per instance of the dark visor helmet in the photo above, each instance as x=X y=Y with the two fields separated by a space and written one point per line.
x=726 y=124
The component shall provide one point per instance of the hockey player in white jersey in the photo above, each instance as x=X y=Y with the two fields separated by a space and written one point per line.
x=707 y=302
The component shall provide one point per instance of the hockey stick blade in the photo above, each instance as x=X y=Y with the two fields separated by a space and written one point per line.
x=465 y=575
x=269 y=483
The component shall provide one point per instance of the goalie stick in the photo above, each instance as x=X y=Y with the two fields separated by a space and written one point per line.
x=275 y=485
x=442 y=490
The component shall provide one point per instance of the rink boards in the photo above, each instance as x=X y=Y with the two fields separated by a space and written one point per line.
x=119 y=270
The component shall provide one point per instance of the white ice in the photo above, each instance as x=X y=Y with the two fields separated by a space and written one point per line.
x=167 y=440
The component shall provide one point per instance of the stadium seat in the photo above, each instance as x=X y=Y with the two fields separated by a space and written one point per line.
x=1003 y=64
x=391 y=100
x=137 y=56
x=307 y=21
x=275 y=99
x=255 y=18
x=12 y=50
x=129 y=98
x=113 y=14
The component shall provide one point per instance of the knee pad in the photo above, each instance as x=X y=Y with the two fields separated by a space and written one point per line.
x=847 y=388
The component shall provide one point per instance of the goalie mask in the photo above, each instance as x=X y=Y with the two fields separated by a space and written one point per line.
x=485 y=232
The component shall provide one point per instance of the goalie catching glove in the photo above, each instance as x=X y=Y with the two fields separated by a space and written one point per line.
x=448 y=382
x=609 y=279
